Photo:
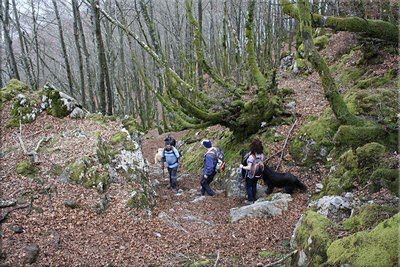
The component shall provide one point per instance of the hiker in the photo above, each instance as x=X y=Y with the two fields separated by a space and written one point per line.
x=171 y=158
x=213 y=163
x=171 y=140
x=253 y=169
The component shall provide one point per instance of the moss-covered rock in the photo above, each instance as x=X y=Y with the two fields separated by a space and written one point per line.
x=119 y=137
x=313 y=237
x=377 y=81
x=354 y=136
x=56 y=106
x=138 y=200
x=378 y=247
x=13 y=88
x=368 y=217
x=23 y=109
x=350 y=76
x=387 y=178
x=369 y=154
x=26 y=168
x=314 y=140
x=77 y=171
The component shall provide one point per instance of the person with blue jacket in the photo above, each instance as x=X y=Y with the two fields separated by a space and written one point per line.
x=210 y=161
x=171 y=158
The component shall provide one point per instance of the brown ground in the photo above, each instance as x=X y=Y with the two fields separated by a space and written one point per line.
x=80 y=237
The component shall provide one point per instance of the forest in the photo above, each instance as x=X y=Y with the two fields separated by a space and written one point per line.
x=91 y=89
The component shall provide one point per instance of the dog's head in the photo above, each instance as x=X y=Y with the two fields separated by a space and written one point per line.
x=160 y=150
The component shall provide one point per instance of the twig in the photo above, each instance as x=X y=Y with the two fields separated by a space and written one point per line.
x=216 y=261
x=284 y=145
x=281 y=260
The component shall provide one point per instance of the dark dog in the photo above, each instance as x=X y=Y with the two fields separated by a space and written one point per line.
x=286 y=180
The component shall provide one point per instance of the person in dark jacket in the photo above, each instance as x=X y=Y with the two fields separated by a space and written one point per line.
x=210 y=161
x=171 y=158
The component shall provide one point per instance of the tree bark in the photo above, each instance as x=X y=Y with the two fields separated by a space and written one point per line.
x=75 y=11
x=23 y=51
x=100 y=56
x=5 y=19
x=64 y=48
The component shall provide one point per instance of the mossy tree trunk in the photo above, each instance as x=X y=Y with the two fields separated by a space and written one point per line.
x=372 y=28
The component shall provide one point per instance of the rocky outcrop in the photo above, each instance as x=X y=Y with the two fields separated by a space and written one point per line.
x=262 y=208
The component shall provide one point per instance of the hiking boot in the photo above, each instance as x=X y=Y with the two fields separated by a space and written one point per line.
x=211 y=193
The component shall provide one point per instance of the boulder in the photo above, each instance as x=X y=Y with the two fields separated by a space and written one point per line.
x=77 y=113
x=336 y=208
x=262 y=208
x=31 y=253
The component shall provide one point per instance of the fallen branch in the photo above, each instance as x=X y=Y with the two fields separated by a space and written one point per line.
x=216 y=261
x=33 y=155
x=284 y=145
x=281 y=260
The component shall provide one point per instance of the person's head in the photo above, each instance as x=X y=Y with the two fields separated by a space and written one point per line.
x=256 y=147
x=168 y=146
x=206 y=143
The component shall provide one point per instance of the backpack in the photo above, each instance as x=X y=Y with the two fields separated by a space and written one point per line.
x=257 y=169
x=219 y=155
x=176 y=156
x=170 y=140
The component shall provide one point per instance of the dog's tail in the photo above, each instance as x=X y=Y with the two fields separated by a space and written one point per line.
x=301 y=186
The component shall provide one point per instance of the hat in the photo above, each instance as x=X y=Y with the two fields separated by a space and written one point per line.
x=206 y=143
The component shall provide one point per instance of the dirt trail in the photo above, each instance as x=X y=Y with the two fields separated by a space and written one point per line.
x=200 y=230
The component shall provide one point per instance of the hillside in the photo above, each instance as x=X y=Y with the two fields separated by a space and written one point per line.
x=114 y=207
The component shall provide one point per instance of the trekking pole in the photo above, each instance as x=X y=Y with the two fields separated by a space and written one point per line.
x=240 y=170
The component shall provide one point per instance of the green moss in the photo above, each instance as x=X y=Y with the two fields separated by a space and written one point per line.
x=350 y=75
x=22 y=110
x=131 y=125
x=344 y=59
x=377 y=81
x=26 y=168
x=104 y=152
x=378 y=247
x=352 y=136
x=57 y=107
x=138 y=200
x=77 y=171
x=369 y=154
x=269 y=254
x=321 y=41
x=314 y=140
x=12 y=88
x=385 y=177
x=368 y=217
x=119 y=137
x=348 y=160
x=314 y=228
x=340 y=181
x=93 y=177
x=97 y=117
x=286 y=91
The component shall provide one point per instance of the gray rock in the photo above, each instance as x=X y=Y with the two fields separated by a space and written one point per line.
x=70 y=203
x=262 y=209
x=336 y=208
x=197 y=199
x=102 y=204
x=195 y=219
x=64 y=177
x=290 y=108
x=77 y=113
x=7 y=203
x=302 y=258
x=16 y=228
x=2 y=154
x=31 y=253
x=319 y=187
x=293 y=244
x=163 y=216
